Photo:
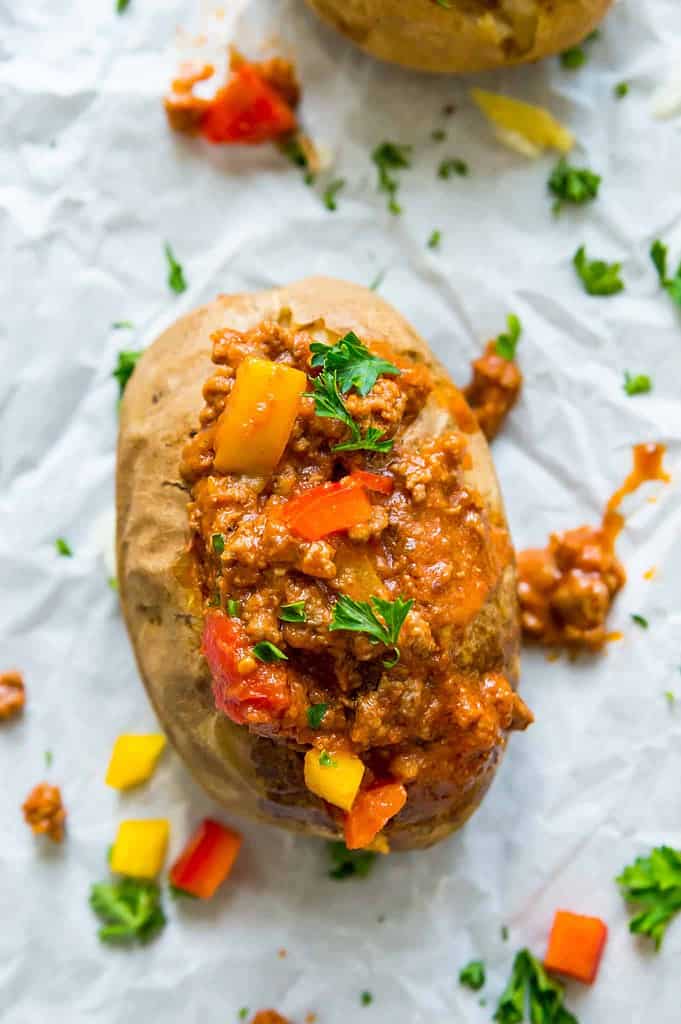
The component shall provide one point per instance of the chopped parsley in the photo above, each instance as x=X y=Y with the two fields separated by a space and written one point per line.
x=638 y=384
x=452 y=166
x=113 y=582
x=127 y=361
x=268 y=652
x=293 y=150
x=218 y=543
x=176 y=278
x=435 y=239
x=315 y=714
x=122 y=325
x=438 y=135
x=326 y=761
x=63 y=548
x=129 y=908
x=672 y=285
x=572 y=184
x=576 y=56
x=447 y=4
x=48 y=758
x=216 y=600
x=507 y=343
x=670 y=697
x=621 y=90
x=243 y=1013
x=598 y=277
x=294 y=612
x=331 y=191
x=328 y=403
x=352 y=362
x=348 y=863
x=366 y=998
x=390 y=157
x=473 y=975
x=377 y=281
x=504 y=933
x=233 y=608
x=640 y=621
x=360 y=617
x=532 y=995
x=122 y=5
x=654 y=883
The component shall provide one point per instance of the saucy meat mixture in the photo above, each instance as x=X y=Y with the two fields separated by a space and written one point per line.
x=494 y=389
x=360 y=513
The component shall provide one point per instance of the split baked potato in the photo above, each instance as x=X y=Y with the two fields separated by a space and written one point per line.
x=315 y=568
x=462 y=35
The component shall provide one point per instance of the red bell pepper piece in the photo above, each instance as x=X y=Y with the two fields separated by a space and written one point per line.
x=248 y=110
x=254 y=697
x=206 y=860
x=373 y=481
x=327 y=509
x=371 y=812
x=576 y=945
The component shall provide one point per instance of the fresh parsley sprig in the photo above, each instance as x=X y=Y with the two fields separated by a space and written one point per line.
x=329 y=404
x=637 y=384
x=390 y=157
x=654 y=883
x=507 y=343
x=360 y=617
x=268 y=652
x=293 y=612
x=572 y=184
x=348 y=863
x=473 y=975
x=127 y=361
x=452 y=166
x=176 y=279
x=130 y=909
x=331 y=191
x=352 y=362
x=597 y=276
x=530 y=986
x=672 y=285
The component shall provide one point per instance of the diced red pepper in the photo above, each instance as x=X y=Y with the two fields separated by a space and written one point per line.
x=327 y=509
x=254 y=696
x=371 y=812
x=373 y=481
x=576 y=945
x=247 y=110
x=206 y=860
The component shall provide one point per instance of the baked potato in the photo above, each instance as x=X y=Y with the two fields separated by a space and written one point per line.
x=462 y=35
x=315 y=568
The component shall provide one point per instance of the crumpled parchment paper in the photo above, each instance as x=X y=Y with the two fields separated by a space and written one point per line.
x=92 y=185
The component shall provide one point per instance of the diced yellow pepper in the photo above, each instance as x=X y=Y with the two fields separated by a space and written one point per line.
x=133 y=760
x=514 y=118
x=380 y=844
x=257 y=420
x=335 y=778
x=140 y=847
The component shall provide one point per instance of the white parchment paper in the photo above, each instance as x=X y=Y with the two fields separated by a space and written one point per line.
x=92 y=184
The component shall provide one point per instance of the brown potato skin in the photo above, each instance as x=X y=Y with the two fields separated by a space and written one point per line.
x=252 y=775
x=464 y=37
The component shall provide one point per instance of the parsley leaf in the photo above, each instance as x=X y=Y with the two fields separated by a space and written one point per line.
x=268 y=652
x=621 y=90
x=573 y=58
x=366 y=998
x=640 y=621
x=438 y=135
x=572 y=184
x=218 y=543
x=506 y=344
x=352 y=362
x=347 y=863
x=122 y=5
x=130 y=909
x=331 y=191
x=390 y=157
x=315 y=714
x=122 y=325
x=233 y=608
x=452 y=166
x=360 y=617
x=640 y=384
x=243 y=1013
x=435 y=239
x=672 y=285
x=473 y=975
x=294 y=151
x=530 y=984
x=328 y=403
x=48 y=758
x=294 y=612
x=654 y=882
x=127 y=361
x=176 y=279
x=63 y=548
x=598 y=277
x=326 y=761
x=670 y=697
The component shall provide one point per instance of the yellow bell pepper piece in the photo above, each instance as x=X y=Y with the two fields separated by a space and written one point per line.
x=257 y=420
x=513 y=118
x=140 y=847
x=334 y=777
x=133 y=760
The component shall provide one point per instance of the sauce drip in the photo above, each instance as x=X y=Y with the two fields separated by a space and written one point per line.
x=648 y=460
x=190 y=75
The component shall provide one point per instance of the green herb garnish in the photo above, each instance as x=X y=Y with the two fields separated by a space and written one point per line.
x=218 y=543
x=352 y=362
x=122 y=5
x=573 y=58
x=315 y=714
x=176 y=893
x=670 y=697
x=122 y=325
x=233 y=608
x=293 y=151
x=63 y=548
x=360 y=617
x=435 y=239
x=507 y=343
x=532 y=995
x=654 y=883
x=328 y=403
x=452 y=166
x=326 y=761
x=638 y=384
x=640 y=621
x=621 y=90
x=438 y=135
x=390 y=157
x=598 y=277
x=176 y=279
x=113 y=582
x=130 y=909
x=331 y=191
x=127 y=361
x=572 y=184
x=377 y=281
x=672 y=285
x=294 y=612
x=504 y=933
x=216 y=600
x=243 y=1013
x=48 y=758
x=348 y=863
x=473 y=975
x=366 y=998
x=268 y=652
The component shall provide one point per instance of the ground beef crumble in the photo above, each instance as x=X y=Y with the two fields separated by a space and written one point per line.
x=493 y=389
x=44 y=811
x=12 y=694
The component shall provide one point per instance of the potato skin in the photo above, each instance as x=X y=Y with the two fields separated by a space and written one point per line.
x=466 y=36
x=252 y=775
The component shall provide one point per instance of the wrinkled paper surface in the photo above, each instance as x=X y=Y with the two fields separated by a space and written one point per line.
x=92 y=184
